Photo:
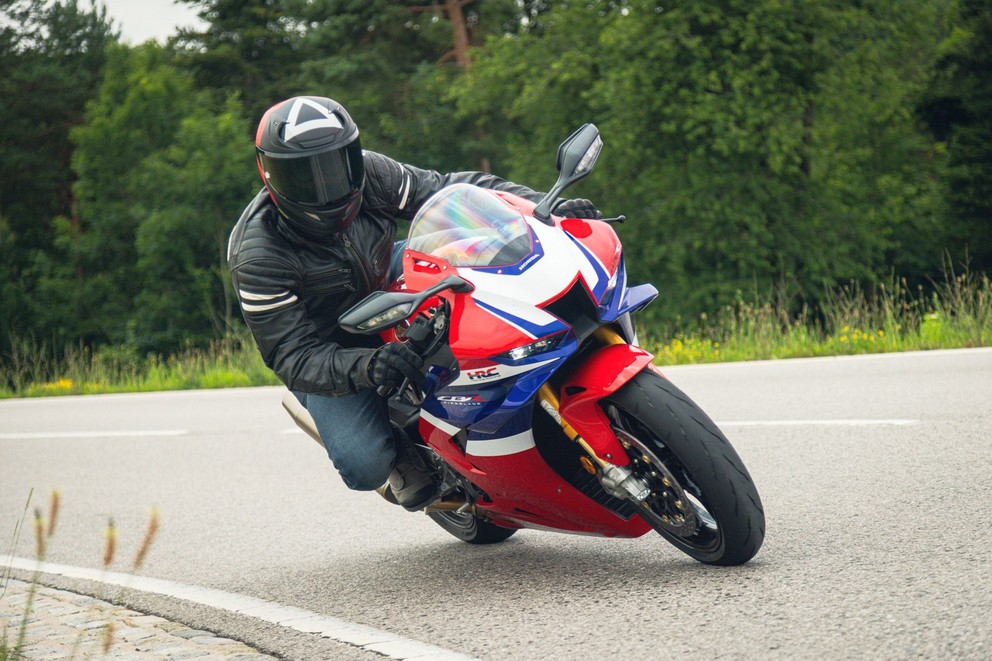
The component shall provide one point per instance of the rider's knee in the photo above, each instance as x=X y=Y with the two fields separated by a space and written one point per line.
x=367 y=473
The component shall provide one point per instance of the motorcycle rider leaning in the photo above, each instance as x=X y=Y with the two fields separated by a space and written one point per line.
x=319 y=237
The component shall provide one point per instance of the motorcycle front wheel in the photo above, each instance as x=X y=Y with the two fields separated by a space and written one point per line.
x=702 y=498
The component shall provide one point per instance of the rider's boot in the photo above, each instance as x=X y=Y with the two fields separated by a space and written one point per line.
x=410 y=481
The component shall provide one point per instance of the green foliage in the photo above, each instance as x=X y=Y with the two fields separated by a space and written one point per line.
x=159 y=184
x=739 y=130
x=35 y=370
x=364 y=54
x=392 y=65
x=248 y=49
x=890 y=317
x=764 y=150
x=201 y=181
x=875 y=169
x=958 y=109
x=51 y=57
x=136 y=112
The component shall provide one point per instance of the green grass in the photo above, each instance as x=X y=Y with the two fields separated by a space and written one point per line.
x=953 y=314
x=31 y=370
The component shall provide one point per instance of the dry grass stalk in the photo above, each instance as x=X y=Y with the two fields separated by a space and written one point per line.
x=146 y=543
x=53 y=511
x=111 y=547
x=39 y=534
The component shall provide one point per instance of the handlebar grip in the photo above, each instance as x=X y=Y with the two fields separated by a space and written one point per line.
x=387 y=391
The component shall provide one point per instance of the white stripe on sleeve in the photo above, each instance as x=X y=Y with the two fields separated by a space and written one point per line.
x=404 y=189
x=253 y=307
x=252 y=296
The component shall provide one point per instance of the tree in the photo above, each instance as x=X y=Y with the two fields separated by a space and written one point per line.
x=735 y=133
x=958 y=110
x=392 y=65
x=51 y=58
x=203 y=180
x=530 y=88
x=137 y=112
x=876 y=169
x=702 y=107
x=249 y=47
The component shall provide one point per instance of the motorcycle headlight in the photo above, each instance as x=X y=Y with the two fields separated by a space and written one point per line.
x=543 y=345
x=610 y=288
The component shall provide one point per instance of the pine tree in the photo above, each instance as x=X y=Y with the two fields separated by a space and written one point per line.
x=958 y=110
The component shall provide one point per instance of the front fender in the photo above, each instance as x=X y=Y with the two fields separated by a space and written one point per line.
x=602 y=374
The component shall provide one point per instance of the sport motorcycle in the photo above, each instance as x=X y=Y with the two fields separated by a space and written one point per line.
x=537 y=408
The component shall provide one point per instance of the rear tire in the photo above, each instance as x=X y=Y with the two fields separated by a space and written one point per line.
x=702 y=498
x=470 y=528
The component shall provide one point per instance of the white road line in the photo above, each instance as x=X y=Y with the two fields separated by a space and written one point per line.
x=892 y=422
x=47 y=435
x=892 y=355
x=29 y=436
x=388 y=644
x=818 y=423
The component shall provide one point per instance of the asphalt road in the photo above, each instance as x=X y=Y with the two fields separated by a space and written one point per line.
x=875 y=472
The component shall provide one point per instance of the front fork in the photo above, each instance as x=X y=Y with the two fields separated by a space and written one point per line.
x=583 y=420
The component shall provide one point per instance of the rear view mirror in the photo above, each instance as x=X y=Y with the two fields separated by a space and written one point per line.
x=576 y=158
x=378 y=311
x=381 y=310
x=578 y=154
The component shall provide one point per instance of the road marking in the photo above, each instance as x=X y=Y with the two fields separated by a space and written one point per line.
x=819 y=423
x=892 y=355
x=47 y=435
x=388 y=644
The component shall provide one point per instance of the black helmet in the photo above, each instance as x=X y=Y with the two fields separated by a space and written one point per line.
x=310 y=159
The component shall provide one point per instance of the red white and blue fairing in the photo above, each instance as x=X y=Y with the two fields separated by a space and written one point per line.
x=539 y=291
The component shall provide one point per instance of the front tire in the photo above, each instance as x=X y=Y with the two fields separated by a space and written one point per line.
x=702 y=498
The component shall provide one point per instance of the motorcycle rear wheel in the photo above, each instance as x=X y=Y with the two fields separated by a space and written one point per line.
x=702 y=498
x=470 y=528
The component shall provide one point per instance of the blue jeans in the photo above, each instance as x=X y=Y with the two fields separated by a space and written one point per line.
x=355 y=428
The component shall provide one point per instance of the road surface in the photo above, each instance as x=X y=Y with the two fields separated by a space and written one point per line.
x=875 y=472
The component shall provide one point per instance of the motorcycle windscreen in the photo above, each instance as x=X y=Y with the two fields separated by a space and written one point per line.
x=472 y=227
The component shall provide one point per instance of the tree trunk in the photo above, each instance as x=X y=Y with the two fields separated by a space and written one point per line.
x=459 y=31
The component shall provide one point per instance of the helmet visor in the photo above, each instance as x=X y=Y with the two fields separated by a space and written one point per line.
x=317 y=180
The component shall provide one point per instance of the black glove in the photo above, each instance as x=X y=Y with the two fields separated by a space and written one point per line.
x=391 y=363
x=577 y=208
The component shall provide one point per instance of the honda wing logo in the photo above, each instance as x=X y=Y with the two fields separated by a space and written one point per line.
x=308 y=115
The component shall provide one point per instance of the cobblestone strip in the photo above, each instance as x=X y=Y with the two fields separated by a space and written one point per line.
x=65 y=625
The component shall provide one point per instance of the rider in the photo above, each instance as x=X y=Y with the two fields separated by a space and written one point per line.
x=316 y=239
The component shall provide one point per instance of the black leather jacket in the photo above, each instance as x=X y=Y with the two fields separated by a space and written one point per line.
x=293 y=289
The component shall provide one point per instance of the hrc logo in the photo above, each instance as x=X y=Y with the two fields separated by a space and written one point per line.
x=479 y=375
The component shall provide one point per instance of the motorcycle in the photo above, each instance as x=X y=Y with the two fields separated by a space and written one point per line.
x=537 y=407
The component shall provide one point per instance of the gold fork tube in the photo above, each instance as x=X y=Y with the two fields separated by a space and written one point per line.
x=549 y=402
